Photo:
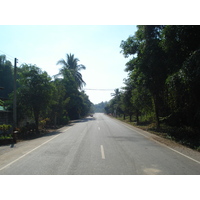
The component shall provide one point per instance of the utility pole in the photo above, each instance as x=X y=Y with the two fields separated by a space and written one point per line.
x=15 y=96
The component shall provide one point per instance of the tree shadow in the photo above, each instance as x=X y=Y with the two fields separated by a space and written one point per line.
x=87 y=119
x=43 y=133
x=125 y=138
x=46 y=133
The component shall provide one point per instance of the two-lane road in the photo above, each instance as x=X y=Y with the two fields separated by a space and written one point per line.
x=99 y=145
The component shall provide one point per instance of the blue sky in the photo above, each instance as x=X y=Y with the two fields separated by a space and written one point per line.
x=96 y=46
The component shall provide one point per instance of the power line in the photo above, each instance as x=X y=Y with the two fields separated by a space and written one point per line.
x=100 y=89
x=7 y=54
x=8 y=57
x=11 y=58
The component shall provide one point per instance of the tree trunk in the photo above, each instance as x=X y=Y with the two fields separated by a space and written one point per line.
x=156 y=110
x=124 y=116
x=55 y=120
x=36 y=116
x=137 y=117
x=130 y=117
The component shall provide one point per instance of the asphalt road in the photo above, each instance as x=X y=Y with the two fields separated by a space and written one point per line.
x=98 y=145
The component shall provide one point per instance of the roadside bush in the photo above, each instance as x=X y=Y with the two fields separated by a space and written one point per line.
x=42 y=123
x=5 y=131
x=5 y=128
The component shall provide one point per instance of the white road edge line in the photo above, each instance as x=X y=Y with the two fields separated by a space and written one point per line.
x=30 y=151
x=102 y=152
x=164 y=145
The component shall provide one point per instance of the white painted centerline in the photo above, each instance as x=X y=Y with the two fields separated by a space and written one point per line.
x=102 y=152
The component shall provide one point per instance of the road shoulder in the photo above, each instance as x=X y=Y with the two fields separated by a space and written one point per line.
x=8 y=153
x=163 y=141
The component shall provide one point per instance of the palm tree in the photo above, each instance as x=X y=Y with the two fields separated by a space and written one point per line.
x=70 y=67
x=116 y=96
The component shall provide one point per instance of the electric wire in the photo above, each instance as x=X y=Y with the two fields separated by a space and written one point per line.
x=99 y=89
x=11 y=58
x=20 y=62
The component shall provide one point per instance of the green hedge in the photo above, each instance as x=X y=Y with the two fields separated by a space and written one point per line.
x=5 y=131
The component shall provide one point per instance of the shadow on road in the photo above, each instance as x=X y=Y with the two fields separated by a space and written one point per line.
x=38 y=135
x=125 y=138
x=50 y=132
x=87 y=119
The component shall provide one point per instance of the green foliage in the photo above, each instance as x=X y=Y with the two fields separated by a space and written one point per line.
x=5 y=127
x=165 y=66
x=100 y=107
x=59 y=103
x=6 y=77
x=163 y=78
x=71 y=69
x=2 y=137
x=183 y=88
x=35 y=91
x=77 y=102
x=5 y=131
x=1 y=103
x=44 y=101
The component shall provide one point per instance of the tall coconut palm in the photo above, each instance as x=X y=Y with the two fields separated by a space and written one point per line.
x=70 y=67
x=116 y=98
x=116 y=94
